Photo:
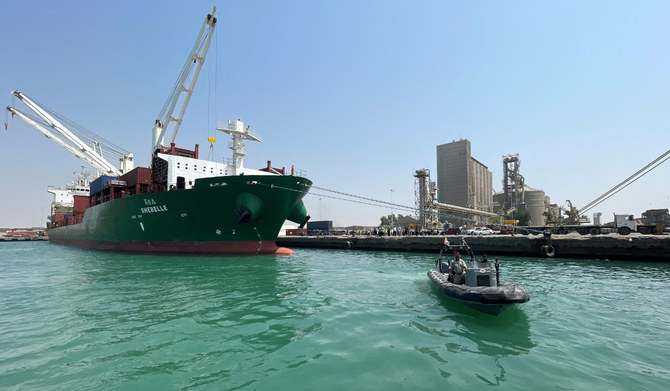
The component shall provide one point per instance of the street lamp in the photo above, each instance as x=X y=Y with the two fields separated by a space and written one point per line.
x=391 y=208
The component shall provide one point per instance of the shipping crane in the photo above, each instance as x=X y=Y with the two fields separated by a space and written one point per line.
x=91 y=155
x=188 y=75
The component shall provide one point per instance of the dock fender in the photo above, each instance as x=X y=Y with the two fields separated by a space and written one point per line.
x=298 y=213
x=548 y=251
x=349 y=244
x=249 y=207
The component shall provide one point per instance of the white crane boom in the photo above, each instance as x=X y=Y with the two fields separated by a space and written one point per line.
x=197 y=57
x=78 y=147
x=59 y=141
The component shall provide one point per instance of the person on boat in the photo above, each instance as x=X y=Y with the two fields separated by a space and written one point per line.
x=457 y=269
x=484 y=262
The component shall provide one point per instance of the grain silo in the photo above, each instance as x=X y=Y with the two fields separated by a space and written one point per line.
x=535 y=205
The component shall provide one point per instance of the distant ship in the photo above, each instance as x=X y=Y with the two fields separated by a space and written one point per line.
x=181 y=204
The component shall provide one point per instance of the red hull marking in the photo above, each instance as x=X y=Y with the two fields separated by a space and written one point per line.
x=171 y=247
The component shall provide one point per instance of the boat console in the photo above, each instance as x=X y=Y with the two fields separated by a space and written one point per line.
x=480 y=276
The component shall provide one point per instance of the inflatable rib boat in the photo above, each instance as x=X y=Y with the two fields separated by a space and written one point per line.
x=482 y=288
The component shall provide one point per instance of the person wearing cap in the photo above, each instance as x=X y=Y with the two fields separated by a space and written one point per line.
x=457 y=269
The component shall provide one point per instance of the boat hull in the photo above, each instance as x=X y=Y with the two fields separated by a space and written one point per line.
x=219 y=215
x=488 y=299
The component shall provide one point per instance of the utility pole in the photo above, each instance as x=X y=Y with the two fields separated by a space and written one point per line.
x=392 y=217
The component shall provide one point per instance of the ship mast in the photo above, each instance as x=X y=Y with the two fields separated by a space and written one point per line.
x=239 y=133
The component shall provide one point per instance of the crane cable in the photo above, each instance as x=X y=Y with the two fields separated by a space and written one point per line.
x=628 y=181
x=364 y=198
x=365 y=201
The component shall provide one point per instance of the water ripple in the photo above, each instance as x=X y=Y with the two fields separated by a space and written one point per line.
x=76 y=320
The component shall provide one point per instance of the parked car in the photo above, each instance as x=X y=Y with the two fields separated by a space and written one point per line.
x=479 y=231
x=495 y=228
x=451 y=231
x=485 y=231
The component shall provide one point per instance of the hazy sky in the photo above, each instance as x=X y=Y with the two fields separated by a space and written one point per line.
x=356 y=93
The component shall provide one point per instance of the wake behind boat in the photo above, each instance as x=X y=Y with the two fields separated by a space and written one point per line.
x=475 y=283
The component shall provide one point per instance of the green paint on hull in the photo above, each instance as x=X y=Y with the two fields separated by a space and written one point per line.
x=204 y=216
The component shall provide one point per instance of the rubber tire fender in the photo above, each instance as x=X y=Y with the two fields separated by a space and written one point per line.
x=548 y=251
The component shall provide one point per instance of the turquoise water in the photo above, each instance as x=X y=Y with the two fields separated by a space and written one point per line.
x=73 y=319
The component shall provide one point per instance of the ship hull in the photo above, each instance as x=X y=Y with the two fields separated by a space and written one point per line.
x=219 y=215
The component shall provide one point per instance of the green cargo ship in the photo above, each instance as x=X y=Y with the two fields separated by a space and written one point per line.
x=220 y=215
x=181 y=204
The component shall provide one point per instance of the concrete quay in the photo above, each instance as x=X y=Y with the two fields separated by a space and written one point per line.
x=637 y=247
x=22 y=239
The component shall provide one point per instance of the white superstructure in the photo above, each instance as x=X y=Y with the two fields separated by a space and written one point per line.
x=64 y=197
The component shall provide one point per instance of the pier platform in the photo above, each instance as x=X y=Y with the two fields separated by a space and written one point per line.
x=629 y=247
x=23 y=239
